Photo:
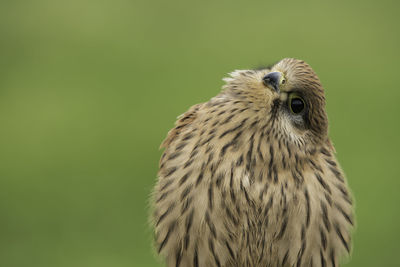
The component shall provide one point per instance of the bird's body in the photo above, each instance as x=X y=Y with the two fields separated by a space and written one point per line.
x=246 y=180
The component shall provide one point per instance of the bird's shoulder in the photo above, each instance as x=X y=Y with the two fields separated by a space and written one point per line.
x=183 y=122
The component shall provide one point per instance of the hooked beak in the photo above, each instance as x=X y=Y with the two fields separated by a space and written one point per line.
x=274 y=80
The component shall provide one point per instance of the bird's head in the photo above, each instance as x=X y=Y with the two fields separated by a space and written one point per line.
x=288 y=95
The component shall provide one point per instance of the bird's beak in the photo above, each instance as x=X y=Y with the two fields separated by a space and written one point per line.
x=274 y=80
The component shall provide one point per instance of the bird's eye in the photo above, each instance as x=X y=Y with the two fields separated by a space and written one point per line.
x=296 y=104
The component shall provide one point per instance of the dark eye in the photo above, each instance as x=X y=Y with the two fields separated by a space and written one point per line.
x=296 y=104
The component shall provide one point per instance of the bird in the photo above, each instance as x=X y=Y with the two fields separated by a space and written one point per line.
x=250 y=178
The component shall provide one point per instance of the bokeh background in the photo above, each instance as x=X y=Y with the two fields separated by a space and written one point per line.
x=88 y=90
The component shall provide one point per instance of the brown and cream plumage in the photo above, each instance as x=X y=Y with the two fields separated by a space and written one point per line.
x=250 y=178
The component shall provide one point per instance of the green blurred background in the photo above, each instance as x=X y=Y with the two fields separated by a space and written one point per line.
x=88 y=90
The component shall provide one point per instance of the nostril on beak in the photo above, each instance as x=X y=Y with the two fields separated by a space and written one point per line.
x=273 y=80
